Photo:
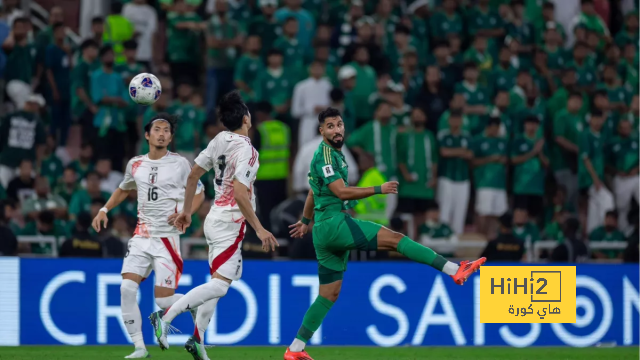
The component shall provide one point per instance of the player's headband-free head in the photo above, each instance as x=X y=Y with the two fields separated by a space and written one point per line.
x=170 y=123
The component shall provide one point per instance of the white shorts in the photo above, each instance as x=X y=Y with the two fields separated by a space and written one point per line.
x=225 y=247
x=161 y=255
x=491 y=202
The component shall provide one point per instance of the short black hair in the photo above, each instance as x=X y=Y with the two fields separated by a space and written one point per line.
x=601 y=92
x=517 y=2
x=46 y=217
x=402 y=29
x=575 y=94
x=581 y=44
x=92 y=173
x=273 y=52
x=612 y=213
x=231 y=110
x=20 y=19
x=506 y=220
x=84 y=220
x=494 y=120
x=585 y=2
x=289 y=19
x=98 y=201
x=88 y=43
x=57 y=26
x=328 y=113
x=336 y=95
x=264 y=107
x=596 y=113
x=441 y=43
x=521 y=208
x=524 y=72
x=70 y=167
x=470 y=65
x=548 y=5
x=455 y=113
x=130 y=44
x=105 y=49
x=116 y=7
x=432 y=206
x=164 y=116
x=97 y=20
x=532 y=118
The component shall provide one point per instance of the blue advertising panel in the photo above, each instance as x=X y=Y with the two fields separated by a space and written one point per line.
x=76 y=302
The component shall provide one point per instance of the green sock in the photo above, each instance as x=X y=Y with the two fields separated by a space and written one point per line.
x=420 y=253
x=313 y=318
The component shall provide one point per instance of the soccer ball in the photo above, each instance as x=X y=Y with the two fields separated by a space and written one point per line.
x=145 y=89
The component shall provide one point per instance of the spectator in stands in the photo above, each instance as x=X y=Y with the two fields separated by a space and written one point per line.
x=567 y=125
x=45 y=225
x=623 y=151
x=367 y=36
x=8 y=240
x=248 y=67
x=365 y=84
x=446 y=21
x=224 y=37
x=505 y=247
x=529 y=157
x=131 y=67
x=400 y=112
x=553 y=230
x=477 y=96
x=619 y=96
x=21 y=187
x=591 y=172
x=110 y=179
x=187 y=135
x=68 y=184
x=275 y=85
x=432 y=229
x=347 y=77
x=109 y=93
x=453 y=173
x=82 y=107
x=21 y=53
x=265 y=25
x=307 y=25
x=81 y=200
x=51 y=166
x=608 y=232
x=588 y=19
x=490 y=155
x=584 y=67
x=434 y=97
x=503 y=74
x=310 y=97
x=631 y=253
x=97 y=31
x=573 y=249
x=58 y=69
x=109 y=238
x=295 y=55
x=118 y=30
x=84 y=163
x=45 y=37
x=82 y=243
x=377 y=139
x=523 y=228
x=22 y=137
x=145 y=21
x=44 y=200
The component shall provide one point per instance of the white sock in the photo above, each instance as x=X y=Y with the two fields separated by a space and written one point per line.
x=215 y=288
x=165 y=302
x=297 y=345
x=450 y=268
x=131 y=312
x=203 y=317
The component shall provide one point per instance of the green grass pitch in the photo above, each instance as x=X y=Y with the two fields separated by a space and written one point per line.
x=326 y=353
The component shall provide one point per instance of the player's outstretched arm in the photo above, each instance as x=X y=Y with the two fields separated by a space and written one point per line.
x=356 y=193
x=116 y=198
x=197 y=202
x=241 y=195
x=183 y=221
x=299 y=229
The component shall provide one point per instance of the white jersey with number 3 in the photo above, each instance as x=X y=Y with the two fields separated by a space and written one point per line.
x=161 y=186
x=232 y=157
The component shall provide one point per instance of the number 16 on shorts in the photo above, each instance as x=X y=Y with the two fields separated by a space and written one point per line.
x=528 y=294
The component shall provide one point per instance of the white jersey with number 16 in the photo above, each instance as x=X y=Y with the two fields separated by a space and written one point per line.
x=232 y=157
x=161 y=186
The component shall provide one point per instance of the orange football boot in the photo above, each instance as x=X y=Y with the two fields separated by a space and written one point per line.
x=466 y=269
x=302 y=355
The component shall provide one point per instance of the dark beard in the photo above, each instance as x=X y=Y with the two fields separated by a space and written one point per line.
x=336 y=144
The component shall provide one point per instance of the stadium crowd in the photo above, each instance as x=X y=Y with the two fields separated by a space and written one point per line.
x=496 y=118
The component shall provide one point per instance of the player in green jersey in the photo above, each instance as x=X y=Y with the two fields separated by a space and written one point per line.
x=335 y=232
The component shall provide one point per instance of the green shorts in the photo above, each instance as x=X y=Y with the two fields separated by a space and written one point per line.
x=334 y=237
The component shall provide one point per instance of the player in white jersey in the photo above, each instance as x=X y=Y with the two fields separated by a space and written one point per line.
x=235 y=163
x=160 y=178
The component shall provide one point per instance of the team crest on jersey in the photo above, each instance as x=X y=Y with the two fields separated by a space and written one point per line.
x=153 y=178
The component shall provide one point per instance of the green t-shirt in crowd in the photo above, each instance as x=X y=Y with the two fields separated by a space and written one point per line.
x=183 y=44
x=295 y=55
x=66 y=193
x=616 y=93
x=443 y=25
x=528 y=232
x=246 y=70
x=528 y=177
x=267 y=30
x=275 y=87
x=538 y=109
x=58 y=62
x=586 y=73
x=129 y=70
x=454 y=168
x=623 y=153
x=189 y=126
x=479 y=19
x=82 y=169
x=81 y=79
x=401 y=116
x=20 y=63
x=365 y=85
x=21 y=133
x=491 y=175
x=503 y=79
x=569 y=126
x=553 y=231
x=381 y=142
x=52 y=168
x=81 y=201
x=228 y=29
x=591 y=147
x=418 y=151
x=40 y=204
x=601 y=234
